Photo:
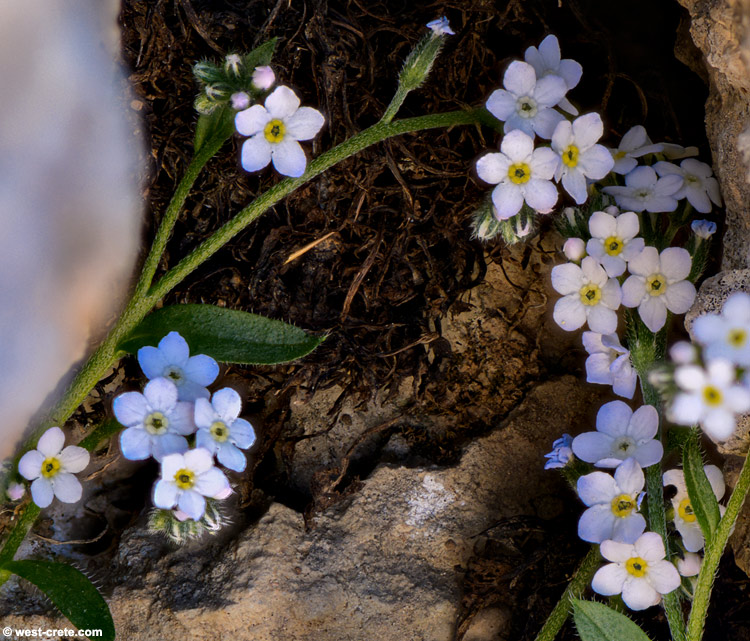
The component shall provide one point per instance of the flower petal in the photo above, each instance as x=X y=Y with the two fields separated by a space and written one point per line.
x=201 y=369
x=501 y=104
x=653 y=313
x=569 y=313
x=567 y=279
x=175 y=349
x=628 y=529
x=282 y=103
x=644 y=423
x=602 y=319
x=596 y=162
x=629 y=476
x=592 y=446
x=130 y=408
x=199 y=460
x=212 y=483
x=609 y=579
x=242 y=434
x=182 y=419
x=66 y=487
x=305 y=123
x=252 y=121
x=51 y=442
x=679 y=296
x=256 y=153
x=597 y=487
x=602 y=225
x=192 y=504
x=520 y=78
x=231 y=457
x=152 y=361
x=227 y=404
x=663 y=577
x=517 y=146
x=167 y=444
x=507 y=199
x=289 y=158
x=41 y=492
x=596 y=524
x=165 y=494
x=30 y=465
x=161 y=394
x=74 y=459
x=613 y=419
x=639 y=595
x=205 y=414
x=492 y=168
x=135 y=444
x=540 y=195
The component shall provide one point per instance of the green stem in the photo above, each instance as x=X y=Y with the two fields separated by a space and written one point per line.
x=576 y=586
x=377 y=133
x=657 y=520
x=206 y=152
x=107 y=354
x=713 y=552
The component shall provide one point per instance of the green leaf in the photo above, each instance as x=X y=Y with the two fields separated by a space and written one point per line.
x=229 y=336
x=702 y=497
x=219 y=124
x=71 y=592
x=100 y=433
x=596 y=622
x=261 y=55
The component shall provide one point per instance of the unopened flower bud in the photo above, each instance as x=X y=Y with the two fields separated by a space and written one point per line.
x=240 y=101
x=574 y=249
x=16 y=491
x=233 y=65
x=203 y=104
x=522 y=228
x=485 y=226
x=207 y=72
x=263 y=78
x=703 y=229
x=612 y=210
x=570 y=214
x=218 y=92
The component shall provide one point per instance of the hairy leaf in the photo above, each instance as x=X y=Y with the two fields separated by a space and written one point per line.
x=597 y=622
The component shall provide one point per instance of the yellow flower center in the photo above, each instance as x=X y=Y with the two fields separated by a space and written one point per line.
x=590 y=294
x=519 y=173
x=712 y=395
x=156 y=423
x=570 y=156
x=219 y=431
x=274 y=131
x=737 y=337
x=685 y=510
x=50 y=467
x=613 y=245
x=636 y=566
x=656 y=284
x=184 y=479
x=622 y=505
x=620 y=155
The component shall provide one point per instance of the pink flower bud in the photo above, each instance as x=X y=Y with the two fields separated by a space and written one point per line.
x=224 y=493
x=263 y=78
x=574 y=249
x=16 y=491
x=240 y=101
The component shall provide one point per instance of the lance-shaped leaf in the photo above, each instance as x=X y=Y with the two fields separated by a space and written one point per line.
x=702 y=497
x=71 y=592
x=229 y=336
x=597 y=622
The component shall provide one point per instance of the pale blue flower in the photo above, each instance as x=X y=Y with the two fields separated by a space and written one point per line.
x=220 y=431
x=613 y=504
x=621 y=434
x=157 y=423
x=704 y=229
x=172 y=360
x=561 y=453
x=441 y=27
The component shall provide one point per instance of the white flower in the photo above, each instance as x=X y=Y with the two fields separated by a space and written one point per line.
x=16 y=491
x=684 y=517
x=157 y=423
x=274 y=131
x=675 y=152
x=588 y=295
x=703 y=229
x=546 y=62
x=613 y=240
x=613 y=504
x=441 y=27
x=639 y=571
x=172 y=360
x=690 y=564
x=634 y=144
x=186 y=479
x=51 y=469
x=644 y=191
x=220 y=431
x=526 y=103
x=699 y=186
x=561 y=453
x=521 y=173
x=621 y=434
x=609 y=363
x=710 y=397
x=263 y=78
x=657 y=284
x=726 y=335
x=574 y=249
x=580 y=156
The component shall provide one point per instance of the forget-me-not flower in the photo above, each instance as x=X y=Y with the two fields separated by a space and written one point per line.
x=220 y=431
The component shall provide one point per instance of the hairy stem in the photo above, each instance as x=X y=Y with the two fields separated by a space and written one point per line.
x=576 y=586
x=713 y=552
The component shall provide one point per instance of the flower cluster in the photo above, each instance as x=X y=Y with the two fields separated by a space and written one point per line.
x=709 y=381
x=531 y=104
x=175 y=409
x=235 y=83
